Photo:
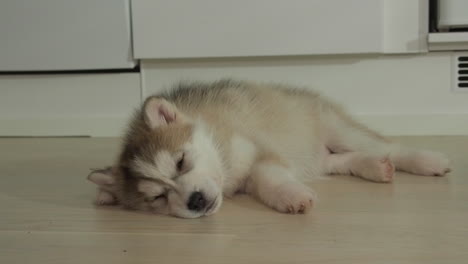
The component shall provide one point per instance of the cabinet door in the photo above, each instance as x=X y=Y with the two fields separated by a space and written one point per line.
x=225 y=28
x=64 y=35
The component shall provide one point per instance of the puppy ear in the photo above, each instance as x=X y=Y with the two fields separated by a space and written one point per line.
x=105 y=180
x=159 y=112
x=102 y=177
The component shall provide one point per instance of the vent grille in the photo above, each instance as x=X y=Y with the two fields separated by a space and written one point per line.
x=461 y=71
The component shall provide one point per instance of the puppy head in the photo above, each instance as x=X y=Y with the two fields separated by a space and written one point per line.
x=169 y=165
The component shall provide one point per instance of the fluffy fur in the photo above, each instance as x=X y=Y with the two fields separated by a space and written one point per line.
x=189 y=147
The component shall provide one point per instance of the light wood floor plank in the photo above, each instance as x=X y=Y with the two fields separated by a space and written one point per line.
x=47 y=216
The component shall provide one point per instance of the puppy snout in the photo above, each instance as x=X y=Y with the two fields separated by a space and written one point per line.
x=196 y=202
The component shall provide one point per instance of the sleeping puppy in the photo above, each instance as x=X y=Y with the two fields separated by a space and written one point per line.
x=188 y=148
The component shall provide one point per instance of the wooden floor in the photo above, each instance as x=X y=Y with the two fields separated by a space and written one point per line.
x=47 y=216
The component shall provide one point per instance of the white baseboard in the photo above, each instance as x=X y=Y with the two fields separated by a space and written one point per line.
x=391 y=125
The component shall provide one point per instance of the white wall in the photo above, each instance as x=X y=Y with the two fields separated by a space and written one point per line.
x=397 y=94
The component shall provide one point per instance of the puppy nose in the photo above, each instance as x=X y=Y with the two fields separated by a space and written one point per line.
x=196 y=201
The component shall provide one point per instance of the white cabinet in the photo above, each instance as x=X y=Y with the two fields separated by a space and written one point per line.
x=88 y=34
x=405 y=27
x=453 y=13
x=226 y=28
x=65 y=35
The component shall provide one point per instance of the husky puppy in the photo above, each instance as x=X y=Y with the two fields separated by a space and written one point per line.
x=187 y=148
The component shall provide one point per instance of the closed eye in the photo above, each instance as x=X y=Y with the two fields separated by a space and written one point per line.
x=180 y=163
x=183 y=165
x=154 y=198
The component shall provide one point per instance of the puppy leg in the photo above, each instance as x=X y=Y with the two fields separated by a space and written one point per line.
x=421 y=162
x=273 y=183
x=347 y=135
x=369 y=167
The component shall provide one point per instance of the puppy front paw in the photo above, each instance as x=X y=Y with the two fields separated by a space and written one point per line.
x=104 y=198
x=294 y=198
